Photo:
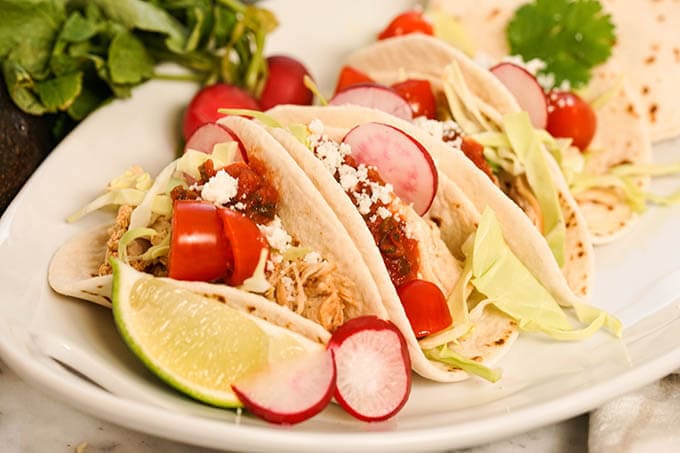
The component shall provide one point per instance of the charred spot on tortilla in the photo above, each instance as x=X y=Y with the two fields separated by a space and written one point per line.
x=218 y=297
x=653 y=108
x=650 y=59
x=493 y=13
x=676 y=52
x=437 y=221
x=500 y=342
x=250 y=308
x=661 y=18
x=645 y=89
x=630 y=108
x=476 y=359
x=91 y=293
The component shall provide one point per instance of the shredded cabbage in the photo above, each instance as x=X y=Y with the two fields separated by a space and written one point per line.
x=265 y=119
x=141 y=216
x=509 y=286
x=133 y=178
x=449 y=357
x=156 y=251
x=300 y=132
x=191 y=160
x=129 y=236
x=161 y=204
x=462 y=103
x=309 y=83
x=527 y=146
x=258 y=282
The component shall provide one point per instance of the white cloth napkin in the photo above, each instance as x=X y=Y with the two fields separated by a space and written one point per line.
x=647 y=420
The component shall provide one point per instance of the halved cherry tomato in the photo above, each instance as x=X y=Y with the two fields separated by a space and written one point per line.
x=405 y=23
x=199 y=251
x=418 y=93
x=425 y=307
x=350 y=76
x=569 y=116
x=246 y=243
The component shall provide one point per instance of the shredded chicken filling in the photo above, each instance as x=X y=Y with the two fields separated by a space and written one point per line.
x=315 y=291
x=157 y=266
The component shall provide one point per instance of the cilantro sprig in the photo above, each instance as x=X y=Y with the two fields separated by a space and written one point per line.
x=570 y=36
x=67 y=57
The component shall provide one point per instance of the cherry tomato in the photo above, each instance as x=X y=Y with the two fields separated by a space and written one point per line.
x=350 y=76
x=569 y=116
x=199 y=250
x=405 y=23
x=418 y=93
x=285 y=83
x=203 y=107
x=246 y=243
x=425 y=307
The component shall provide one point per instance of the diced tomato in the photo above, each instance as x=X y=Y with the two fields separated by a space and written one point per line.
x=350 y=76
x=425 y=307
x=405 y=23
x=475 y=152
x=246 y=244
x=569 y=116
x=418 y=93
x=199 y=250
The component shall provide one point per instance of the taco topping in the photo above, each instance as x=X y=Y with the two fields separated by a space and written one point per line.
x=375 y=202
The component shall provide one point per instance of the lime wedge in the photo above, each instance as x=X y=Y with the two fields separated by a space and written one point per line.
x=196 y=344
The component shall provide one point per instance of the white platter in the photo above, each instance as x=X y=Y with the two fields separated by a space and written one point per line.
x=638 y=279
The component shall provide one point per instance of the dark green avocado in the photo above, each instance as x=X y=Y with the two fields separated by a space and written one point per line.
x=25 y=140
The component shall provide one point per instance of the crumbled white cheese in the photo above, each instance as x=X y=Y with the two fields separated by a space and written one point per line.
x=240 y=206
x=312 y=258
x=383 y=212
x=533 y=66
x=277 y=237
x=441 y=130
x=316 y=126
x=220 y=189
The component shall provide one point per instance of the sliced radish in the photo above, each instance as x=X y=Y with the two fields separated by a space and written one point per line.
x=210 y=134
x=375 y=96
x=524 y=86
x=289 y=392
x=373 y=368
x=400 y=159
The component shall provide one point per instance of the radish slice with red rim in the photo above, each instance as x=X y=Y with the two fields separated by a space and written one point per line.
x=526 y=89
x=375 y=96
x=208 y=135
x=373 y=368
x=400 y=160
x=289 y=392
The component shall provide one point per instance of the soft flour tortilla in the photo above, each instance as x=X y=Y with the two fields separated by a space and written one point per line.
x=623 y=133
x=306 y=215
x=463 y=193
x=494 y=332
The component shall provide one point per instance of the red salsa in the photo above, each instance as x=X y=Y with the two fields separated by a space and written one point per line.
x=399 y=252
x=256 y=198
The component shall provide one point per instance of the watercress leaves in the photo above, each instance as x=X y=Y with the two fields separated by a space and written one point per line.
x=70 y=56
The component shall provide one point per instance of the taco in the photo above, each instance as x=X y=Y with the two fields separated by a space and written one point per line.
x=357 y=159
x=647 y=49
x=522 y=169
x=608 y=181
x=288 y=259
x=299 y=269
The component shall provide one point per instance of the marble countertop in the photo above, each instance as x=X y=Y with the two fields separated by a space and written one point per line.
x=31 y=421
